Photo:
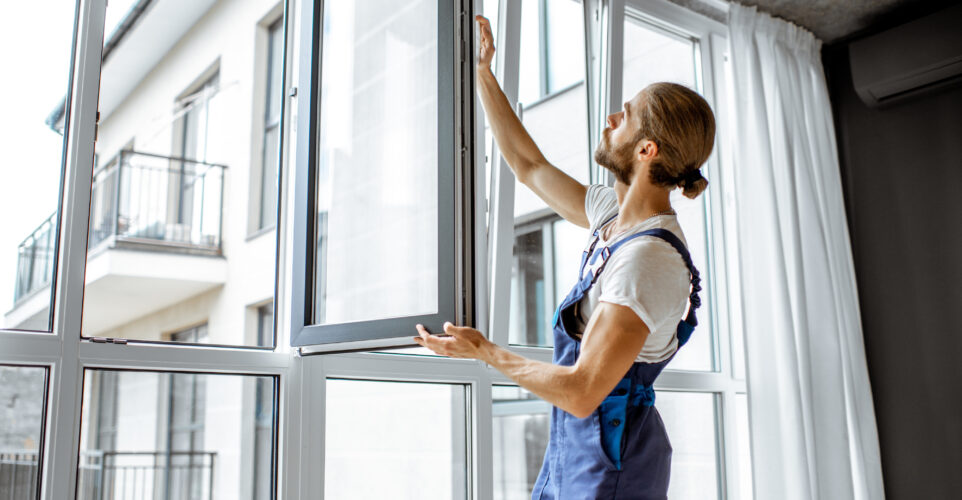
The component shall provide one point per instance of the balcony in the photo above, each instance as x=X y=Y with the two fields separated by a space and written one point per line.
x=144 y=475
x=140 y=200
x=154 y=240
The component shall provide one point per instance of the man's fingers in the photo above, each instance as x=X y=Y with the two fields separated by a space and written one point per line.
x=433 y=342
x=454 y=331
x=485 y=26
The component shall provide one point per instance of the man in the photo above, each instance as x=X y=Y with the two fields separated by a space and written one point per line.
x=619 y=325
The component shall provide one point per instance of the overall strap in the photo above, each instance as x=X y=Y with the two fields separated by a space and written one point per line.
x=687 y=326
x=591 y=249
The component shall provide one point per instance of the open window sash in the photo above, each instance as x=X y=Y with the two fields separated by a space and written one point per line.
x=384 y=179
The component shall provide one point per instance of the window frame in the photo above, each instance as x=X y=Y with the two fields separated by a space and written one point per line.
x=65 y=354
x=456 y=196
x=604 y=49
x=300 y=396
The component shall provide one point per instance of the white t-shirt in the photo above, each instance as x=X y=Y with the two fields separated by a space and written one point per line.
x=645 y=274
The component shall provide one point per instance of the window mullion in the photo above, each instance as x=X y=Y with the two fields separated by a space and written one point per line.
x=729 y=448
x=482 y=437
x=63 y=420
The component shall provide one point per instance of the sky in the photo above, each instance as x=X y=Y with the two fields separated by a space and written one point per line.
x=35 y=45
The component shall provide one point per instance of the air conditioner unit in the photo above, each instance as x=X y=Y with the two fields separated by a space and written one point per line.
x=912 y=59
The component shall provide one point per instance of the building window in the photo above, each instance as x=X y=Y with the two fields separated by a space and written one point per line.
x=380 y=250
x=546 y=257
x=273 y=100
x=193 y=141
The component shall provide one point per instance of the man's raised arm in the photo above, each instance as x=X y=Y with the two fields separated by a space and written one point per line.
x=561 y=192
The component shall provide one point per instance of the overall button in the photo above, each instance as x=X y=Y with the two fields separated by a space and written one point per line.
x=616 y=422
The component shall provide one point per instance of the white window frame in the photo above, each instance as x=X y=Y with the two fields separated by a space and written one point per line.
x=62 y=350
x=300 y=431
x=456 y=192
x=604 y=48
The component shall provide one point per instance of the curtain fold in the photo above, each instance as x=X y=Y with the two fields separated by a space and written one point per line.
x=810 y=404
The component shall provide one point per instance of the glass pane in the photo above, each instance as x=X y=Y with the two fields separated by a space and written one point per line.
x=520 y=437
x=188 y=436
x=186 y=93
x=547 y=255
x=410 y=438
x=564 y=24
x=691 y=422
x=31 y=139
x=23 y=391
x=377 y=172
x=520 y=433
x=652 y=55
x=530 y=317
x=555 y=113
x=744 y=447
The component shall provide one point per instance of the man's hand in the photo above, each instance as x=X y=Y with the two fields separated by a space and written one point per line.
x=486 y=53
x=462 y=342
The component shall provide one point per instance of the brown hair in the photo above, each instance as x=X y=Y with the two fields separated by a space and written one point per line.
x=682 y=124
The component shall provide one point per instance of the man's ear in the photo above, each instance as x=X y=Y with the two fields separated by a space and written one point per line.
x=648 y=150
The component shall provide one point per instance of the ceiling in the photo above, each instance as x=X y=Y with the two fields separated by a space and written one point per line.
x=833 y=20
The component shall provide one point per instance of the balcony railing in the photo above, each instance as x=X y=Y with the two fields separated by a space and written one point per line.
x=157 y=200
x=181 y=475
x=35 y=259
x=138 y=200
x=18 y=473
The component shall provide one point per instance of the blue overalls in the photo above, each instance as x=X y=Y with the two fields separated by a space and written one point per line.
x=621 y=451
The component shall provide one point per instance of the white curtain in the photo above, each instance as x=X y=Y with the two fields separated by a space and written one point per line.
x=810 y=404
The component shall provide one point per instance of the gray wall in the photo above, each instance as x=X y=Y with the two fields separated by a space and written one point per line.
x=902 y=175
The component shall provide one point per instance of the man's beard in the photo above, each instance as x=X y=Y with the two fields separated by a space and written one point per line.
x=617 y=161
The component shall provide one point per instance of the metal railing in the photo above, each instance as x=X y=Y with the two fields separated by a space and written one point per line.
x=174 y=475
x=35 y=259
x=154 y=199
x=137 y=199
x=19 y=470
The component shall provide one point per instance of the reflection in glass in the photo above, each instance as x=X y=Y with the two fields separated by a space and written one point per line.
x=520 y=437
x=377 y=171
x=654 y=55
x=35 y=46
x=530 y=315
x=189 y=110
x=395 y=440
x=547 y=250
x=692 y=428
x=547 y=255
x=172 y=435
x=23 y=391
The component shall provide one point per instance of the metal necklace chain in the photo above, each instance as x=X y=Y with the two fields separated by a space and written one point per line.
x=670 y=211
